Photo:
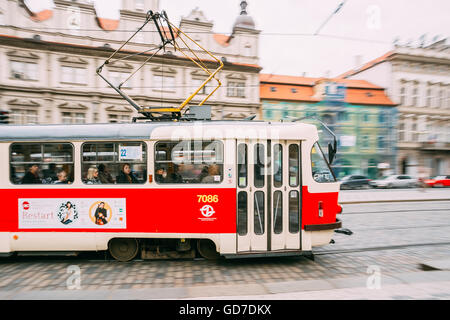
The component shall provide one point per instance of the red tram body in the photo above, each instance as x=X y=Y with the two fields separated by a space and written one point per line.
x=272 y=191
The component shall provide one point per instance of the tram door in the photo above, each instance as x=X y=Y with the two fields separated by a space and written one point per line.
x=285 y=195
x=252 y=196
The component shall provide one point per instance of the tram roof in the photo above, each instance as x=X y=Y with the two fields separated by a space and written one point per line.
x=149 y=130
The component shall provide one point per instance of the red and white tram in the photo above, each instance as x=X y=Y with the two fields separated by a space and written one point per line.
x=166 y=189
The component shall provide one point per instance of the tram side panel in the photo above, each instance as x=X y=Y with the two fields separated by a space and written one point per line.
x=33 y=218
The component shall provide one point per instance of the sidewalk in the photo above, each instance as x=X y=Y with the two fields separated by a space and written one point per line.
x=393 y=195
x=411 y=285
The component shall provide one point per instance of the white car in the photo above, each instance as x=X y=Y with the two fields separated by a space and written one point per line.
x=395 y=181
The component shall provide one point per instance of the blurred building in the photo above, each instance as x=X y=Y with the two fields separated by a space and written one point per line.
x=358 y=112
x=418 y=79
x=50 y=49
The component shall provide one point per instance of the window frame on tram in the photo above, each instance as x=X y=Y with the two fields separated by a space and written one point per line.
x=116 y=160
x=71 y=176
x=159 y=164
x=323 y=158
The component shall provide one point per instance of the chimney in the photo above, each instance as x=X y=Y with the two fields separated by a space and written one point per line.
x=358 y=61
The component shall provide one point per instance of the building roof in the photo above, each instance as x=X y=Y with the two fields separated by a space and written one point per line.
x=368 y=65
x=291 y=88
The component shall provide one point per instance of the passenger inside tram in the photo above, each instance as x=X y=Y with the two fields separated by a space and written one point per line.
x=126 y=175
x=160 y=175
x=103 y=174
x=50 y=174
x=62 y=178
x=92 y=176
x=213 y=174
x=32 y=175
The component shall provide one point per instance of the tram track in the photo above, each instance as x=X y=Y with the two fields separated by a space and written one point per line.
x=380 y=248
x=397 y=211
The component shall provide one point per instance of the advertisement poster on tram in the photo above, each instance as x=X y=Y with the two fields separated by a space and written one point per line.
x=72 y=213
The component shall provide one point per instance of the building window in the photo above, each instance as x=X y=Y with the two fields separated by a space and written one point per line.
x=196 y=83
x=401 y=132
x=73 y=117
x=415 y=134
x=402 y=96
x=73 y=75
x=415 y=97
x=365 y=142
x=23 y=116
x=381 y=117
x=381 y=144
x=366 y=117
x=139 y=37
x=429 y=97
x=117 y=77
x=343 y=116
x=139 y=5
x=236 y=89
x=23 y=70
x=119 y=118
x=441 y=101
x=164 y=83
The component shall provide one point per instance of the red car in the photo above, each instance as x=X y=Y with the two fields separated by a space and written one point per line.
x=439 y=181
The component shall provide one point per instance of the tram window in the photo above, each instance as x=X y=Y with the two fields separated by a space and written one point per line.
x=277 y=212
x=294 y=157
x=321 y=172
x=39 y=163
x=114 y=162
x=259 y=209
x=242 y=165
x=242 y=226
x=189 y=162
x=277 y=165
x=259 y=172
x=294 y=212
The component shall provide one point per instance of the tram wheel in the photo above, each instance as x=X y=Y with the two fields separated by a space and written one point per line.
x=207 y=249
x=123 y=249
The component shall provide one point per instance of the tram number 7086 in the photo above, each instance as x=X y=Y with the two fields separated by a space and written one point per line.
x=207 y=198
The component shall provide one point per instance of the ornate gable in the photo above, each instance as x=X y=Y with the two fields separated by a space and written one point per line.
x=163 y=69
x=72 y=60
x=118 y=109
x=72 y=106
x=236 y=76
x=22 y=54
x=23 y=103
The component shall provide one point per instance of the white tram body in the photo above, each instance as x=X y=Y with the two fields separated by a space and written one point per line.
x=230 y=188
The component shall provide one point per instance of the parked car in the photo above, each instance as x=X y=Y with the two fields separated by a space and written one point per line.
x=354 y=182
x=395 y=181
x=438 y=181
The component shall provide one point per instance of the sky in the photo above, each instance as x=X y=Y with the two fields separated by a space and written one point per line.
x=362 y=28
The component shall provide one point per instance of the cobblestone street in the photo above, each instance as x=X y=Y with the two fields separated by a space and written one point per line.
x=421 y=227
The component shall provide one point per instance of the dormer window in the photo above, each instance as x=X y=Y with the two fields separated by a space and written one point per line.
x=273 y=89
x=294 y=90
